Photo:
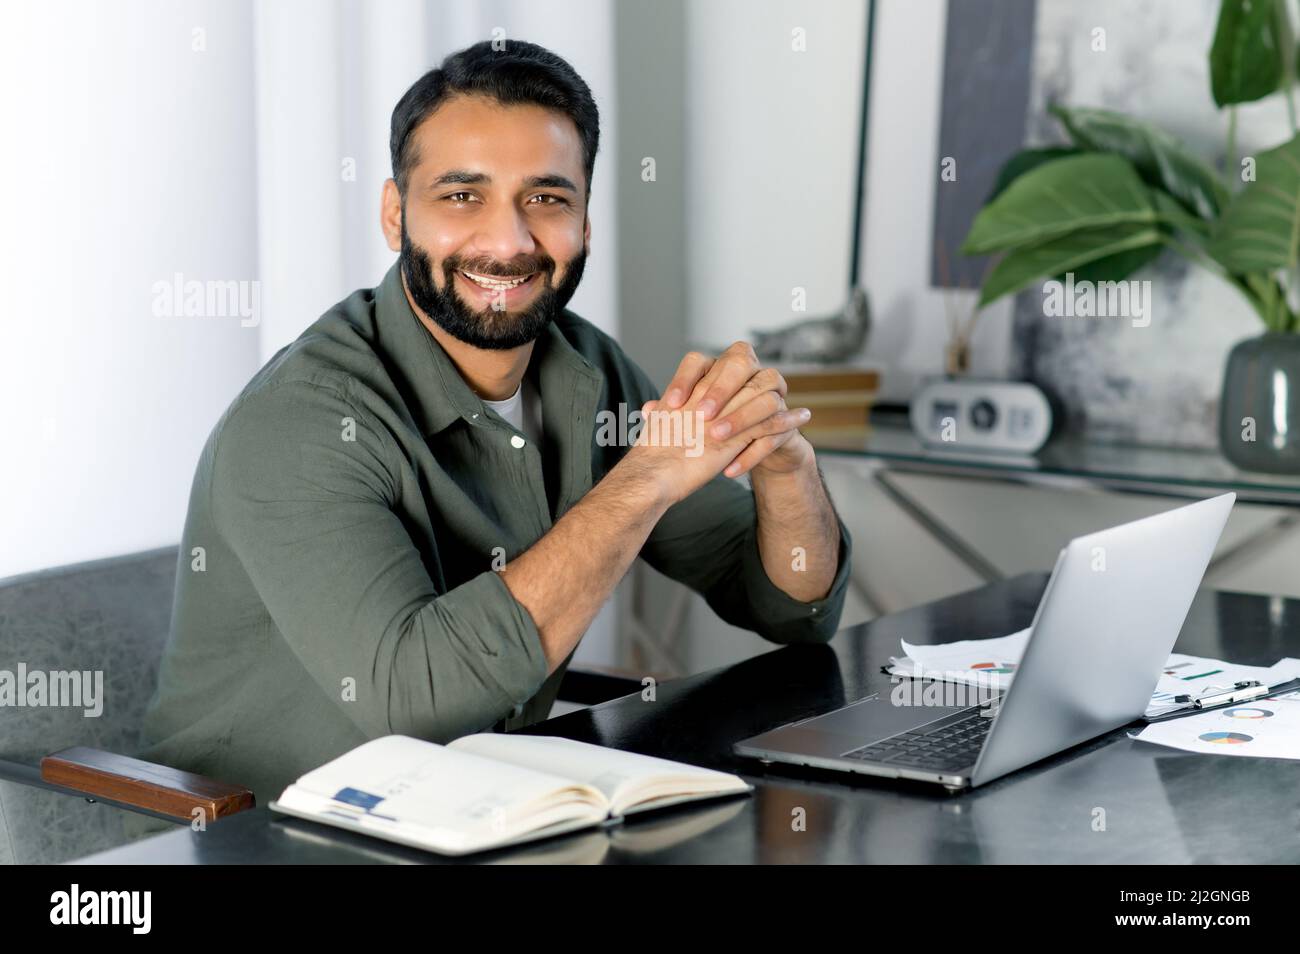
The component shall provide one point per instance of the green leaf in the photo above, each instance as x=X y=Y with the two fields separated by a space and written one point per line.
x=1172 y=213
x=1161 y=160
x=1260 y=231
x=1285 y=39
x=1059 y=197
x=1117 y=267
x=1263 y=291
x=1024 y=161
x=1246 y=55
x=1064 y=254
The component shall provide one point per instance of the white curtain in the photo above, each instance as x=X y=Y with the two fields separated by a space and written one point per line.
x=206 y=138
x=128 y=158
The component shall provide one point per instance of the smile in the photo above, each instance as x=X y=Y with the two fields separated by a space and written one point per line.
x=496 y=284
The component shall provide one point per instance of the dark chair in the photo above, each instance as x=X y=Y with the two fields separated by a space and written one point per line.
x=66 y=787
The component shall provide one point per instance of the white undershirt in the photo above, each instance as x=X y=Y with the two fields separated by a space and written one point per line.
x=522 y=410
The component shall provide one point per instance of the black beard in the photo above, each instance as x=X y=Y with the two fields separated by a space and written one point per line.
x=489 y=329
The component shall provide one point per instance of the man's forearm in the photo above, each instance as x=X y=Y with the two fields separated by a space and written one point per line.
x=564 y=578
x=798 y=534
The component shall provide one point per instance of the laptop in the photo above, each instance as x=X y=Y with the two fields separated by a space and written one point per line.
x=1104 y=627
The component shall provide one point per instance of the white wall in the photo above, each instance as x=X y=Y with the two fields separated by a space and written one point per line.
x=910 y=323
x=771 y=157
x=128 y=157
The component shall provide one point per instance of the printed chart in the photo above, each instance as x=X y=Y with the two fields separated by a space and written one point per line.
x=1269 y=728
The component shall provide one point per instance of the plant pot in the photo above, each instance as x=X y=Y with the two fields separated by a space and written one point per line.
x=1259 y=410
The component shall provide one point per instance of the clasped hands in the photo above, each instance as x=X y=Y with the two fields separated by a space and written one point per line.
x=741 y=409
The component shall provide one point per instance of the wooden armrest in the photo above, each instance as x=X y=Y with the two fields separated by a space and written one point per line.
x=132 y=782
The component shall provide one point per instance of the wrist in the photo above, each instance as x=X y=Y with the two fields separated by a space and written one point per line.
x=803 y=476
x=633 y=479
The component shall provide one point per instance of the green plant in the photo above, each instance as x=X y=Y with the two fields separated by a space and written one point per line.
x=1124 y=191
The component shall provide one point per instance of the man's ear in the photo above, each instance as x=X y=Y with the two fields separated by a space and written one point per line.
x=586 y=235
x=390 y=215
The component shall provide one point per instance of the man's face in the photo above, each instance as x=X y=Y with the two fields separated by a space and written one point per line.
x=493 y=229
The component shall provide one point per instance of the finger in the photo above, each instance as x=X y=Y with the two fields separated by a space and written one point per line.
x=688 y=374
x=759 y=408
x=767 y=379
x=780 y=423
x=755 y=452
x=727 y=376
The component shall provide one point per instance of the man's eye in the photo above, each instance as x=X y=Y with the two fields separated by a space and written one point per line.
x=460 y=196
x=550 y=200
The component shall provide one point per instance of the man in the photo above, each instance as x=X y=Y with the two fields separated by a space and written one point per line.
x=407 y=519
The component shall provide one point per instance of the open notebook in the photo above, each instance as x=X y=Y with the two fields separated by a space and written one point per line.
x=490 y=790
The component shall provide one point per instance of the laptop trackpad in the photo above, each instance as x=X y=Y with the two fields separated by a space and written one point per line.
x=877 y=718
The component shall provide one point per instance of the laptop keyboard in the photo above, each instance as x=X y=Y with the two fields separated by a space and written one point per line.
x=953 y=745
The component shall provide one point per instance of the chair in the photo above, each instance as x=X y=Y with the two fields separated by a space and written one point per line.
x=64 y=792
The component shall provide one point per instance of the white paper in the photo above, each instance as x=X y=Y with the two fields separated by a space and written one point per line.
x=1195 y=675
x=982 y=662
x=1267 y=728
x=992 y=663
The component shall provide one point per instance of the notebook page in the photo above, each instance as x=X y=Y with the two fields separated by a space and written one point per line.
x=455 y=797
x=623 y=777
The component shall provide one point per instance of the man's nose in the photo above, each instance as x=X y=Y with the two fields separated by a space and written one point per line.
x=505 y=234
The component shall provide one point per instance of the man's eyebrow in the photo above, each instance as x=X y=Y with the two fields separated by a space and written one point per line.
x=462 y=177
x=551 y=181
x=465 y=177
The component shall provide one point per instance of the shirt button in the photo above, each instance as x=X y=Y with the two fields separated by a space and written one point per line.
x=516 y=441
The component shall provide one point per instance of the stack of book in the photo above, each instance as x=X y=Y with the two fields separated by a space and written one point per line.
x=839 y=396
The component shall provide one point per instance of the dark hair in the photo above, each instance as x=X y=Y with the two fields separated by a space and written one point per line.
x=519 y=73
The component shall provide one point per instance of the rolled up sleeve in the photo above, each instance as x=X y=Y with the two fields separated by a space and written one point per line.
x=786 y=619
x=307 y=512
x=709 y=542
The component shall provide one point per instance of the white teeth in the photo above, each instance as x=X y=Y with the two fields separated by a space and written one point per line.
x=494 y=283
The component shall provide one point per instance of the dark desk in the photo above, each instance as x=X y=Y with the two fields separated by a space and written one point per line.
x=1161 y=806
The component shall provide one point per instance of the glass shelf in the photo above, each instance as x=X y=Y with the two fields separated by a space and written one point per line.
x=1118 y=466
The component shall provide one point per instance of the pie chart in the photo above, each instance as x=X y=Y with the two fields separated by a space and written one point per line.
x=994 y=667
x=1247 y=713
x=1225 y=738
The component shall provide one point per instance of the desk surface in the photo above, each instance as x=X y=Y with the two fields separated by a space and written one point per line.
x=1161 y=806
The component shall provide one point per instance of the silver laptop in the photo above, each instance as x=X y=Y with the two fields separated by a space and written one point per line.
x=1104 y=627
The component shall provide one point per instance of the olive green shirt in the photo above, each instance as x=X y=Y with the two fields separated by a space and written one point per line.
x=337 y=578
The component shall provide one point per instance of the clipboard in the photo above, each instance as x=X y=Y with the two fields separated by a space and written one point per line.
x=1248 y=691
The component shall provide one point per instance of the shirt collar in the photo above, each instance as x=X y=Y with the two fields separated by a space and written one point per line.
x=441 y=396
